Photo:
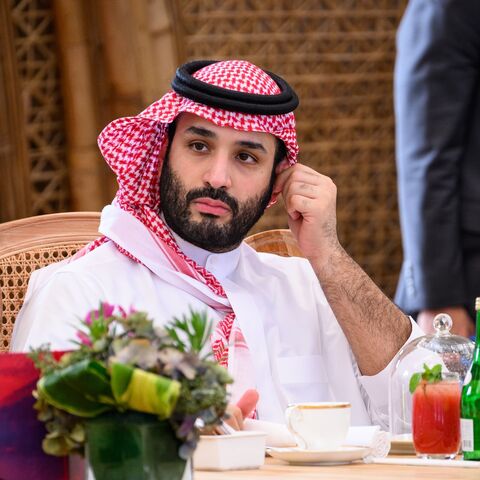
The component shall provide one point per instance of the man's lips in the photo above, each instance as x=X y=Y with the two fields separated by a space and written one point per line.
x=210 y=206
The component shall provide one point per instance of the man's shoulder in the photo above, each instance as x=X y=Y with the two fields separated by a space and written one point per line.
x=103 y=256
x=105 y=259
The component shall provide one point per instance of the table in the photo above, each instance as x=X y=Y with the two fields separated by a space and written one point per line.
x=356 y=471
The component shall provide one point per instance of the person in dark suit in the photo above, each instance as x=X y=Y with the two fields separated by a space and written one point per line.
x=437 y=112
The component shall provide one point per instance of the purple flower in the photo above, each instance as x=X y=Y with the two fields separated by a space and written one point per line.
x=84 y=338
x=107 y=309
x=91 y=316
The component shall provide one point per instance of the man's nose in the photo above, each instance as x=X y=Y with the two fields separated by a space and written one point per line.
x=217 y=174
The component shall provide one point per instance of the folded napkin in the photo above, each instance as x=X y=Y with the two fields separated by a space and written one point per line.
x=369 y=436
x=279 y=436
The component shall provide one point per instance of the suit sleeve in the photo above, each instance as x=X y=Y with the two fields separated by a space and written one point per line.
x=436 y=75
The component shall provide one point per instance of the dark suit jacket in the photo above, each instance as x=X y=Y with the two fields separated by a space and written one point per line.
x=437 y=111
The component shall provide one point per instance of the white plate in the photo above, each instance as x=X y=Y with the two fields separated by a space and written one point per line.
x=298 y=456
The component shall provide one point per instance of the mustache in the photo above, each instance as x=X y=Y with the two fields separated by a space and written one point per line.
x=214 y=194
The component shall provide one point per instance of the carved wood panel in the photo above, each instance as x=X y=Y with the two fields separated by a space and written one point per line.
x=38 y=72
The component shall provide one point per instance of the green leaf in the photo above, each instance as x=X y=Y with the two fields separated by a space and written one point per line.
x=430 y=375
x=144 y=391
x=196 y=328
x=43 y=359
x=436 y=369
x=81 y=389
x=121 y=376
x=414 y=381
x=176 y=339
x=436 y=372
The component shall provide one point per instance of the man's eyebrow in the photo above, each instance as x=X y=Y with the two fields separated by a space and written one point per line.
x=252 y=145
x=204 y=132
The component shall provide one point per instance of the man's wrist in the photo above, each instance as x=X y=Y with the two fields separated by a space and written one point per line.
x=329 y=256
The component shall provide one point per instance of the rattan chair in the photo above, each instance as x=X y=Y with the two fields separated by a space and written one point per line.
x=278 y=241
x=32 y=243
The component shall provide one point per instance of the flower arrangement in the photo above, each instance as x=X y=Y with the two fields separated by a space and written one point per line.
x=125 y=363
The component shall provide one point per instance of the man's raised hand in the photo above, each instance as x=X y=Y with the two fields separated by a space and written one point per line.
x=310 y=201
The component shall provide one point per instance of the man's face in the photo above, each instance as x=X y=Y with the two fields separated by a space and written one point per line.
x=216 y=182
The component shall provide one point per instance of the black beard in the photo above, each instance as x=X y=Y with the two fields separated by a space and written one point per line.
x=207 y=234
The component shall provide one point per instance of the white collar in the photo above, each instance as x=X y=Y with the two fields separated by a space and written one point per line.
x=220 y=264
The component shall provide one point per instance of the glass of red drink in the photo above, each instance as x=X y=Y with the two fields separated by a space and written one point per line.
x=436 y=417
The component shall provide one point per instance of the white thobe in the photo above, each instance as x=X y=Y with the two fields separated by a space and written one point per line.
x=298 y=350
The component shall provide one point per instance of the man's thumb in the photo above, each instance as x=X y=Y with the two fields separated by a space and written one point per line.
x=248 y=402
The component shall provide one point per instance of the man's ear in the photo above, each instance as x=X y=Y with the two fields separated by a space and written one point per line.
x=283 y=165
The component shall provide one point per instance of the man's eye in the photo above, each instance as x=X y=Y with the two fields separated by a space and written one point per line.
x=246 y=158
x=198 y=147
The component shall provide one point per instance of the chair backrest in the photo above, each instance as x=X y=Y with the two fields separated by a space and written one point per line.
x=32 y=243
x=279 y=241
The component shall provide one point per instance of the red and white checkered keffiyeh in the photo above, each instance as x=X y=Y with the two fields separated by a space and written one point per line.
x=132 y=145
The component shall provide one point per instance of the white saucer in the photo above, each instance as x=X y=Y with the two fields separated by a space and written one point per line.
x=299 y=456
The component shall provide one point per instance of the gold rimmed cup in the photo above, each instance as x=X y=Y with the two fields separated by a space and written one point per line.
x=319 y=425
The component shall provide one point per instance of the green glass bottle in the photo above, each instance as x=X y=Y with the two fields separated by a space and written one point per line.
x=470 y=421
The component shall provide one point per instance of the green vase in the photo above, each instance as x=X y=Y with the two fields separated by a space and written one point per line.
x=131 y=445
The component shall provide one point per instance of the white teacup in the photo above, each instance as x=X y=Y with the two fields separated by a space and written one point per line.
x=319 y=425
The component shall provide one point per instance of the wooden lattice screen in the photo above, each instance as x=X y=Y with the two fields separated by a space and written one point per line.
x=36 y=60
x=338 y=55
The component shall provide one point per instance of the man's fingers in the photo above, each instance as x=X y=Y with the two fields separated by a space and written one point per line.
x=243 y=408
x=304 y=189
x=248 y=402
x=235 y=417
x=298 y=174
x=298 y=205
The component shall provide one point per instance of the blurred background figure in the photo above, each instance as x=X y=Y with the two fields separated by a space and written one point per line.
x=437 y=112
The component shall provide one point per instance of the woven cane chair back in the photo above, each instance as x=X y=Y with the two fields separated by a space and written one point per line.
x=279 y=241
x=32 y=243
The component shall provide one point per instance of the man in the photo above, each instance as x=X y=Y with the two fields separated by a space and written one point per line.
x=293 y=329
x=437 y=109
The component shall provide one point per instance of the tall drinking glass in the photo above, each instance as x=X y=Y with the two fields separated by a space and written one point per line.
x=436 y=417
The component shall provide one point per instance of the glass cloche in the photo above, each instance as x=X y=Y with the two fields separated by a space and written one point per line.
x=453 y=352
